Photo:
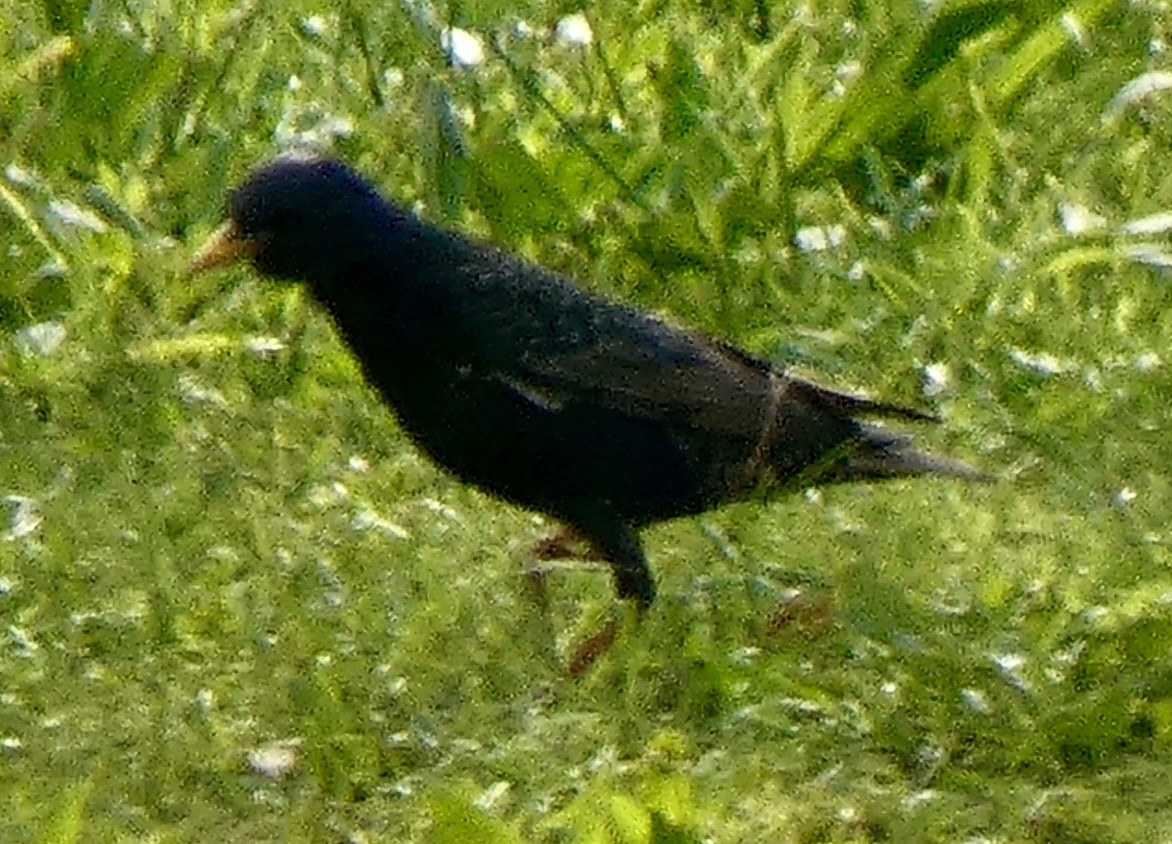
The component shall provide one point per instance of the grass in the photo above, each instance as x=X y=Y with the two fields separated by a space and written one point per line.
x=236 y=604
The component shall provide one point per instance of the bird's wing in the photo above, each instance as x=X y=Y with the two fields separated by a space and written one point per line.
x=646 y=368
x=556 y=344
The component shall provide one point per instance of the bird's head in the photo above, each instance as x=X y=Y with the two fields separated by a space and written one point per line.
x=295 y=218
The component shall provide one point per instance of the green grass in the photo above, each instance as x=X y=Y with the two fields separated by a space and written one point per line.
x=218 y=543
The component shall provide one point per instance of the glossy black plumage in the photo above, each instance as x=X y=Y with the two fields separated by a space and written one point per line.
x=516 y=380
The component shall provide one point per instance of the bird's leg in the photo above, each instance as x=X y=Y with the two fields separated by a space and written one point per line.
x=594 y=647
x=563 y=544
x=618 y=544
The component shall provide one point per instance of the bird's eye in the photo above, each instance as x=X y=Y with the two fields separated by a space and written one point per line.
x=286 y=221
x=272 y=222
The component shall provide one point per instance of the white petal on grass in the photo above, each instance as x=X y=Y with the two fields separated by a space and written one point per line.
x=1076 y=29
x=264 y=346
x=328 y=495
x=51 y=269
x=441 y=509
x=492 y=795
x=1093 y=615
x=819 y=238
x=75 y=216
x=929 y=755
x=300 y=130
x=1148 y=254
x=41 y=339
x=462 y=47
x=719 y=539
x=95 y=673
x=274 y=760
x=810 y=239
x=1040 y=363
x=1124 y=496
x=574 y=30
x=920 y=798
x=196 y=393
x=315 y=25
x=975 y=700
x=223 y=554
x=800 y=706
x=745 y=656
x=368 y=519
x=937 y=379
x=1152 y=224
x=881 y=226
x=1147 y=362
x=336 y=127
x=1009 y=666
x=1078 y=219
x=1144 y=85
x=399 y=739
x=1069 y=656
x=25 y=519
x=22 y=640
x=21 y=177
x=849 y=71
x=470 y=747
x=427 y=739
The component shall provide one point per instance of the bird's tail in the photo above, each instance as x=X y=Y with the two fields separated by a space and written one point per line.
x=879 y=454
x=821 y=437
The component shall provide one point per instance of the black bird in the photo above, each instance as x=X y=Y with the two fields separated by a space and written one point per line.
x=512 y=378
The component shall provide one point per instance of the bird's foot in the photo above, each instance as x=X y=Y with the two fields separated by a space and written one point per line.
x=803 y=615
x=594 y=647
x=564 y=544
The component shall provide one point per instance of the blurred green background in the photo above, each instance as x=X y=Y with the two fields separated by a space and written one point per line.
x=235 y=605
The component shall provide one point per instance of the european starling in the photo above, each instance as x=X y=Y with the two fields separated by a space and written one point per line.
x=598 y=414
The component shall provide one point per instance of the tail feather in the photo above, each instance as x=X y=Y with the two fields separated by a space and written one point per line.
x=880 y=454
x=851 y=405
x=820 y=437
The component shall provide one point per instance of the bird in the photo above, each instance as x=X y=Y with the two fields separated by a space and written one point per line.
x=600 y=415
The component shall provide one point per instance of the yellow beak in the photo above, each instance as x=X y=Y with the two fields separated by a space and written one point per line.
x=226 y=245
